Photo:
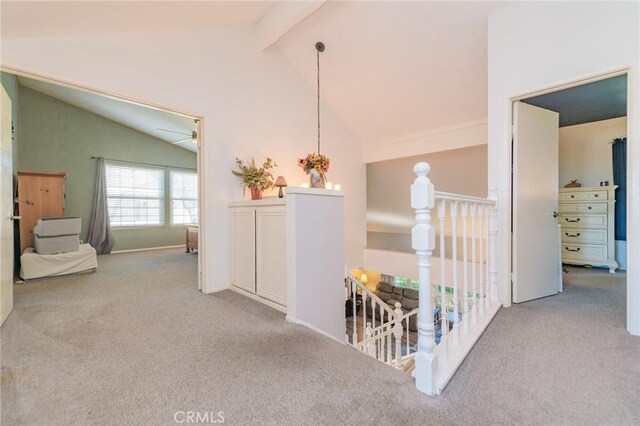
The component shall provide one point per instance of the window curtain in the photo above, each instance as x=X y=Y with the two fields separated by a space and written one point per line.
x=620 y=179
x=100 y=235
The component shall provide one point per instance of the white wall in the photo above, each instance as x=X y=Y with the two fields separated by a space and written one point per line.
x=585 y=151
x=253 y=103
x=535 y=46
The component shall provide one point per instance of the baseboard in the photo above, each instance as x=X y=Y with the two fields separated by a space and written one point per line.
x=269 y=303
x=317 y=330
x=147 y=249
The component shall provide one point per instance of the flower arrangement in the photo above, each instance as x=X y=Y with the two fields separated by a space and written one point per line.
x=257 y=179
x=318 y=162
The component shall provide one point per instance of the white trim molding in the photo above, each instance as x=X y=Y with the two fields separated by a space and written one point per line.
x=461 y=135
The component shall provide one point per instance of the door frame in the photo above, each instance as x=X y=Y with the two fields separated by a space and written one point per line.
x=633 y=188
x=200 y=169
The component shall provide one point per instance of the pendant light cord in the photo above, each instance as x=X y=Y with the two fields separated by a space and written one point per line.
x=318 y=63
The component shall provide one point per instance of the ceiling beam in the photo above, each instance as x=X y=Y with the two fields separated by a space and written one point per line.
x=283 y=17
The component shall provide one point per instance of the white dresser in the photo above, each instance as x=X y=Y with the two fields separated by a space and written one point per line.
x=586 y=220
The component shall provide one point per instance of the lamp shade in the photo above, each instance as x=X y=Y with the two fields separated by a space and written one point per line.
x=280 y=182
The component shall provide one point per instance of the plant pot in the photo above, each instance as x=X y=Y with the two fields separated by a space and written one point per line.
x=316 y=179
x=256 y=194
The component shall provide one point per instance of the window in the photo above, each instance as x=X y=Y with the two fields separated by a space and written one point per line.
x=184 y=198
x=135 y=196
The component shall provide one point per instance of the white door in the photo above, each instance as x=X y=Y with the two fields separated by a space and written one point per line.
x=536 y=254
x=6 y=212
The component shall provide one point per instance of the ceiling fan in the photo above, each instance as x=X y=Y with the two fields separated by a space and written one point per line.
x=193 y=136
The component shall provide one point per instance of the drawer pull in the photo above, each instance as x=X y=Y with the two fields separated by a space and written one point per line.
x=571 y=220
x=573 y=196
x=589 y=207
x=595 y=195
x=572 y=235
x=575 y=249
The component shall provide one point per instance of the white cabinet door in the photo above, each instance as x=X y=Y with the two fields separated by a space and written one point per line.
x=271 y=255
x=243 y=248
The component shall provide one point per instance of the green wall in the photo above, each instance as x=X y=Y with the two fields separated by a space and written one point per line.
x=56 y=136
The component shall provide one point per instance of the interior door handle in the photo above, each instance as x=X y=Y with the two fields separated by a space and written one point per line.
x=15 y=217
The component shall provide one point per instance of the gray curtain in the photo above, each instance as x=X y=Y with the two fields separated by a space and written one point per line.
x=100 y=235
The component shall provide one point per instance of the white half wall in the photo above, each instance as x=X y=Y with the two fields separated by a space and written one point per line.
x=538 y=46
x=253 y=102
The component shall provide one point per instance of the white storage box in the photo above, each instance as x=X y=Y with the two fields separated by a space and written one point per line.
x=39 y=266
x=55 y=226
x=56 y=244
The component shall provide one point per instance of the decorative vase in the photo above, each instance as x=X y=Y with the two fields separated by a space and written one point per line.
x=256 y=194
x=316 y=179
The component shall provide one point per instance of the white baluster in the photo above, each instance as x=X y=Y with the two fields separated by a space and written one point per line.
x=373 y=312
x=354 y=296
x=368 y=334
x=493 y=247
x=444 y=328
x=389 y=359
x=465 y=269
x=453 y=210
x=408 y=341
x=423 y=242
x=364 y=308
x=474 y=289
x=483 y=300
x=397 y=334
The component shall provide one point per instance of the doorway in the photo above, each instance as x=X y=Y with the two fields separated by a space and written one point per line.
x=173 y=187
x=584 y=216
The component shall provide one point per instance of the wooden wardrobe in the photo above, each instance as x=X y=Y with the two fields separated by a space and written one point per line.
x=40 y=195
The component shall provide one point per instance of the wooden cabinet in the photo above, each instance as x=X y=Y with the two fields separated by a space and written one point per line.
x=40 y=195
x=258 y=255
x=587 y=225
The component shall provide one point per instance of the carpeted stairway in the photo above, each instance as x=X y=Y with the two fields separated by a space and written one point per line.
x=136 y=342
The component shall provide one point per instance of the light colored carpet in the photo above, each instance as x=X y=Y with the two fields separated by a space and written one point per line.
x=136 y=342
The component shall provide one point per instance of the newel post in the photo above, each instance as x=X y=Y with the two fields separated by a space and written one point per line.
x=423 y=242
x=492 y=248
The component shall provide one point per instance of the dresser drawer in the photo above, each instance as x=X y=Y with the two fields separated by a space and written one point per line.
x=584 y=252
x=583 y=207
x=583 y=196
x=583 y=220
x=588 y=236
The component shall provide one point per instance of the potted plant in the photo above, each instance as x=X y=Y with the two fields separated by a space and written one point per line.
x=257 y=179
x=316 y=166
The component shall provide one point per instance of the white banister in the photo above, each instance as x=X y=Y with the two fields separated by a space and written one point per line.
x=453 y=208
x=464 y=213
x=423 y=242
x=442 y=215
x=483 y=291
x=493 y=248
x=474 y=287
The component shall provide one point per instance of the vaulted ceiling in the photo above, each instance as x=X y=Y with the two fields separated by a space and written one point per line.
x=390 y=70
x=394 y=69
x=56 y=18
